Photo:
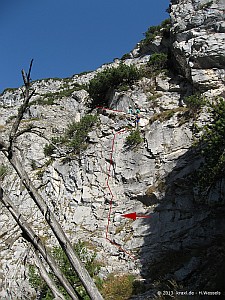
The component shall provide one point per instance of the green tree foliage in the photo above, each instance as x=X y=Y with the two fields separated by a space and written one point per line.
x=212 y=145
x=90 y=263
x=75 y=137
x=49 y=149
x=39 y=284
x=205 y=5
x=11 y=90
x=77 y=132
x=3 y=171
x=153 y=31
x=195 y=103
x=166 y=23
x=111 y=78
x=157 y=61
x=134 y=138
x=126 y=56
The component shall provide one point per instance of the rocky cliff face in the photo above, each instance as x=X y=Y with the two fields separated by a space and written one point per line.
x=198 y=33
x=184 y=238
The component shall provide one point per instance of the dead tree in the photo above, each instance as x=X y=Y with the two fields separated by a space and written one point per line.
x=29 y=235
x=44 y=274
x=10 y=152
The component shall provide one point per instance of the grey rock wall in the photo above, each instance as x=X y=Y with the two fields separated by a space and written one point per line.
x=150 y=179
x=77 y=189
x=198 y=38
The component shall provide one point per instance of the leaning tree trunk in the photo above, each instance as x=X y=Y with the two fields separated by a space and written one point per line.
x=36 y=242
x=44 y=274
x=12 y=156
x=57 y=230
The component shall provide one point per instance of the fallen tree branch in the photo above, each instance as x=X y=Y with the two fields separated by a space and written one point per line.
x=36 y=242
x=38 y=199
x=44 y=274
x=57 y=230
x=27 y=96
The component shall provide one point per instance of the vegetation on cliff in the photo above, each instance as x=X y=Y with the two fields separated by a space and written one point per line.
x=3 y=171
x=153 y=31
x=211 y=142
x=134 y=138
x=157 y=62
x=75 y=137
x=116 y=287
x=109 y=79
x=87 y=258
x=212 y=145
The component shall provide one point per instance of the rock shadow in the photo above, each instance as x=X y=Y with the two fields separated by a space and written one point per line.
x=184 y=247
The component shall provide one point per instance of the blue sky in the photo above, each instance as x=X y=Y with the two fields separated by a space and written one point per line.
x=66 y=37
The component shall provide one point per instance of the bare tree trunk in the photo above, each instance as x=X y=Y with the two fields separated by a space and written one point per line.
x=57 y=230
x=44 y=274
x=32 y=238
x=9 y=152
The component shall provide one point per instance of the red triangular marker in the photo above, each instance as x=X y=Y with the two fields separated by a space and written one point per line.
x=134 y=216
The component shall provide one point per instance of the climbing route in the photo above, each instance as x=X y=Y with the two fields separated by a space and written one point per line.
x=104 y=108
x=118 y=134
x=112 y=195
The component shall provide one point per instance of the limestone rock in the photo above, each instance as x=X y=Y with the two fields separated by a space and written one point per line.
x=198 y=41
x=90 y=191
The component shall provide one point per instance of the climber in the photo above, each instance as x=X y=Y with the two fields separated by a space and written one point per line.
x=130 y=112
x=138 y=115
x=137 y=108
x=137 y=120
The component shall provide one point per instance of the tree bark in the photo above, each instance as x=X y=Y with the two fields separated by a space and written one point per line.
x=44 y=274
x=32 y=238
x=50 y=218
x=57 y=230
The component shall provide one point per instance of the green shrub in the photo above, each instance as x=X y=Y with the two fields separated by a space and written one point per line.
x=55 y=142
x=111 y=78
x=33 y=164
x=75 y=137
x=49 y=98
x=49 y=149
x=89 y=261
x=150 y=34
x=157 y=61
x=123 y=88
x=205 y=5
x=3 y=171
x=164 y=115
x=195 y=103
x=166 y=23
x=153 y=31
x=126 y=56
x=77 y=132
x=38 y=283
x=8 y=90
x=212 y=146
x=134 y=138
